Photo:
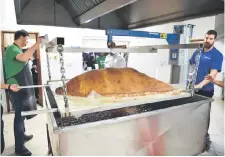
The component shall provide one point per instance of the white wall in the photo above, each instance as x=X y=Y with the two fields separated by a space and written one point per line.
x=152 y=64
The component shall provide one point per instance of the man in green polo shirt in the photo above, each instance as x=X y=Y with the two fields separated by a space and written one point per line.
x=17 y=71
x=101 y=61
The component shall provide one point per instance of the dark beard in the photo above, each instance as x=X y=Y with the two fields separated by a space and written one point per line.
x=207 y=45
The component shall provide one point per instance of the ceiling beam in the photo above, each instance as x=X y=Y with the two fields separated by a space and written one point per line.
x=104 y=8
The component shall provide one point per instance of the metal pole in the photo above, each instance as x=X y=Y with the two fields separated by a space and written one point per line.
x=188 y=29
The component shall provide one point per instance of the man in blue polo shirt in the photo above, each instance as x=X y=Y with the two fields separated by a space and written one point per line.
x=210 y=63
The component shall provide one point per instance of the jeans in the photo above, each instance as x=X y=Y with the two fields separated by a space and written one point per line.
x=19 y=127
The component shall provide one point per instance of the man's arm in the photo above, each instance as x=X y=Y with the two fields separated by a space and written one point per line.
x=24 y=57
x=213 y=74
x=219 y=83
x=216 y=65
x=4 y=86
x=216 y=82
x=12 y=87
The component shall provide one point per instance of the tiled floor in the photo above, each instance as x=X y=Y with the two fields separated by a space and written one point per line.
x=216 y=129
x=37 y=126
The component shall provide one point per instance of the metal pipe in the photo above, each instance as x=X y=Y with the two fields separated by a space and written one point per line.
x=57 y=80
x=196 y=40
x=27 y=113
x=33 y=86
x=139 y=49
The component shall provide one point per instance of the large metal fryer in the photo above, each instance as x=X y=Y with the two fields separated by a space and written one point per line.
x=168 y=127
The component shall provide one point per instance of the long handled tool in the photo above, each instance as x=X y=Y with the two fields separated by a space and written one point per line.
x=27 y=113
x=33 y=86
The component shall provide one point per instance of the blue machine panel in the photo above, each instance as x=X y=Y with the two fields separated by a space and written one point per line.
x=142 y=34
x=171 y=38
x=174 y=53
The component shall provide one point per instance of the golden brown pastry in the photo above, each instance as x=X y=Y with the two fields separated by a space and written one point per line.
x=115 y=82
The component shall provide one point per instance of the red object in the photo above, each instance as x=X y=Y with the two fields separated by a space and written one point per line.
x=149 y=136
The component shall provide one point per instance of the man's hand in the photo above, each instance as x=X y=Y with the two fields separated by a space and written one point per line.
x=36 y=45
x=24 y=57
x=14 y=87
x=210 y=78
x=213 y=73
x=216 y=82
x=198 y=86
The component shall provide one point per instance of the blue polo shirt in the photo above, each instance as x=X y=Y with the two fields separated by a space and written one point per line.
x=208 y=61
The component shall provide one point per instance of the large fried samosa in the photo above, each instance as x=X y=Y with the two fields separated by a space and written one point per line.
x=115 y=82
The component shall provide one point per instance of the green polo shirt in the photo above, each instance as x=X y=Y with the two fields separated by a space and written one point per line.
x=101 y=62
x=11 y=65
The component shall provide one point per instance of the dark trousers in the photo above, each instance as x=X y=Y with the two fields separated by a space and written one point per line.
x=210 y=95
x=2 y=132
x=35 y=81
x=19 y=127
x=205 y=93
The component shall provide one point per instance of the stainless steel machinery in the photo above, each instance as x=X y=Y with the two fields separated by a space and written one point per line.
x=173 y=126
x=158 y=125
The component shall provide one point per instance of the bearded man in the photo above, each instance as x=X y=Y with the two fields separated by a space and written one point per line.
x=210 y=64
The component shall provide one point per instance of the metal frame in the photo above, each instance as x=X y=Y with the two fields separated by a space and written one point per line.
x=55 y=127
x=56 y=45
x=126 y=118
x=187 y=32
x=58 y=134
x=172 y=39
x=138 y=49
x=115 y=105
